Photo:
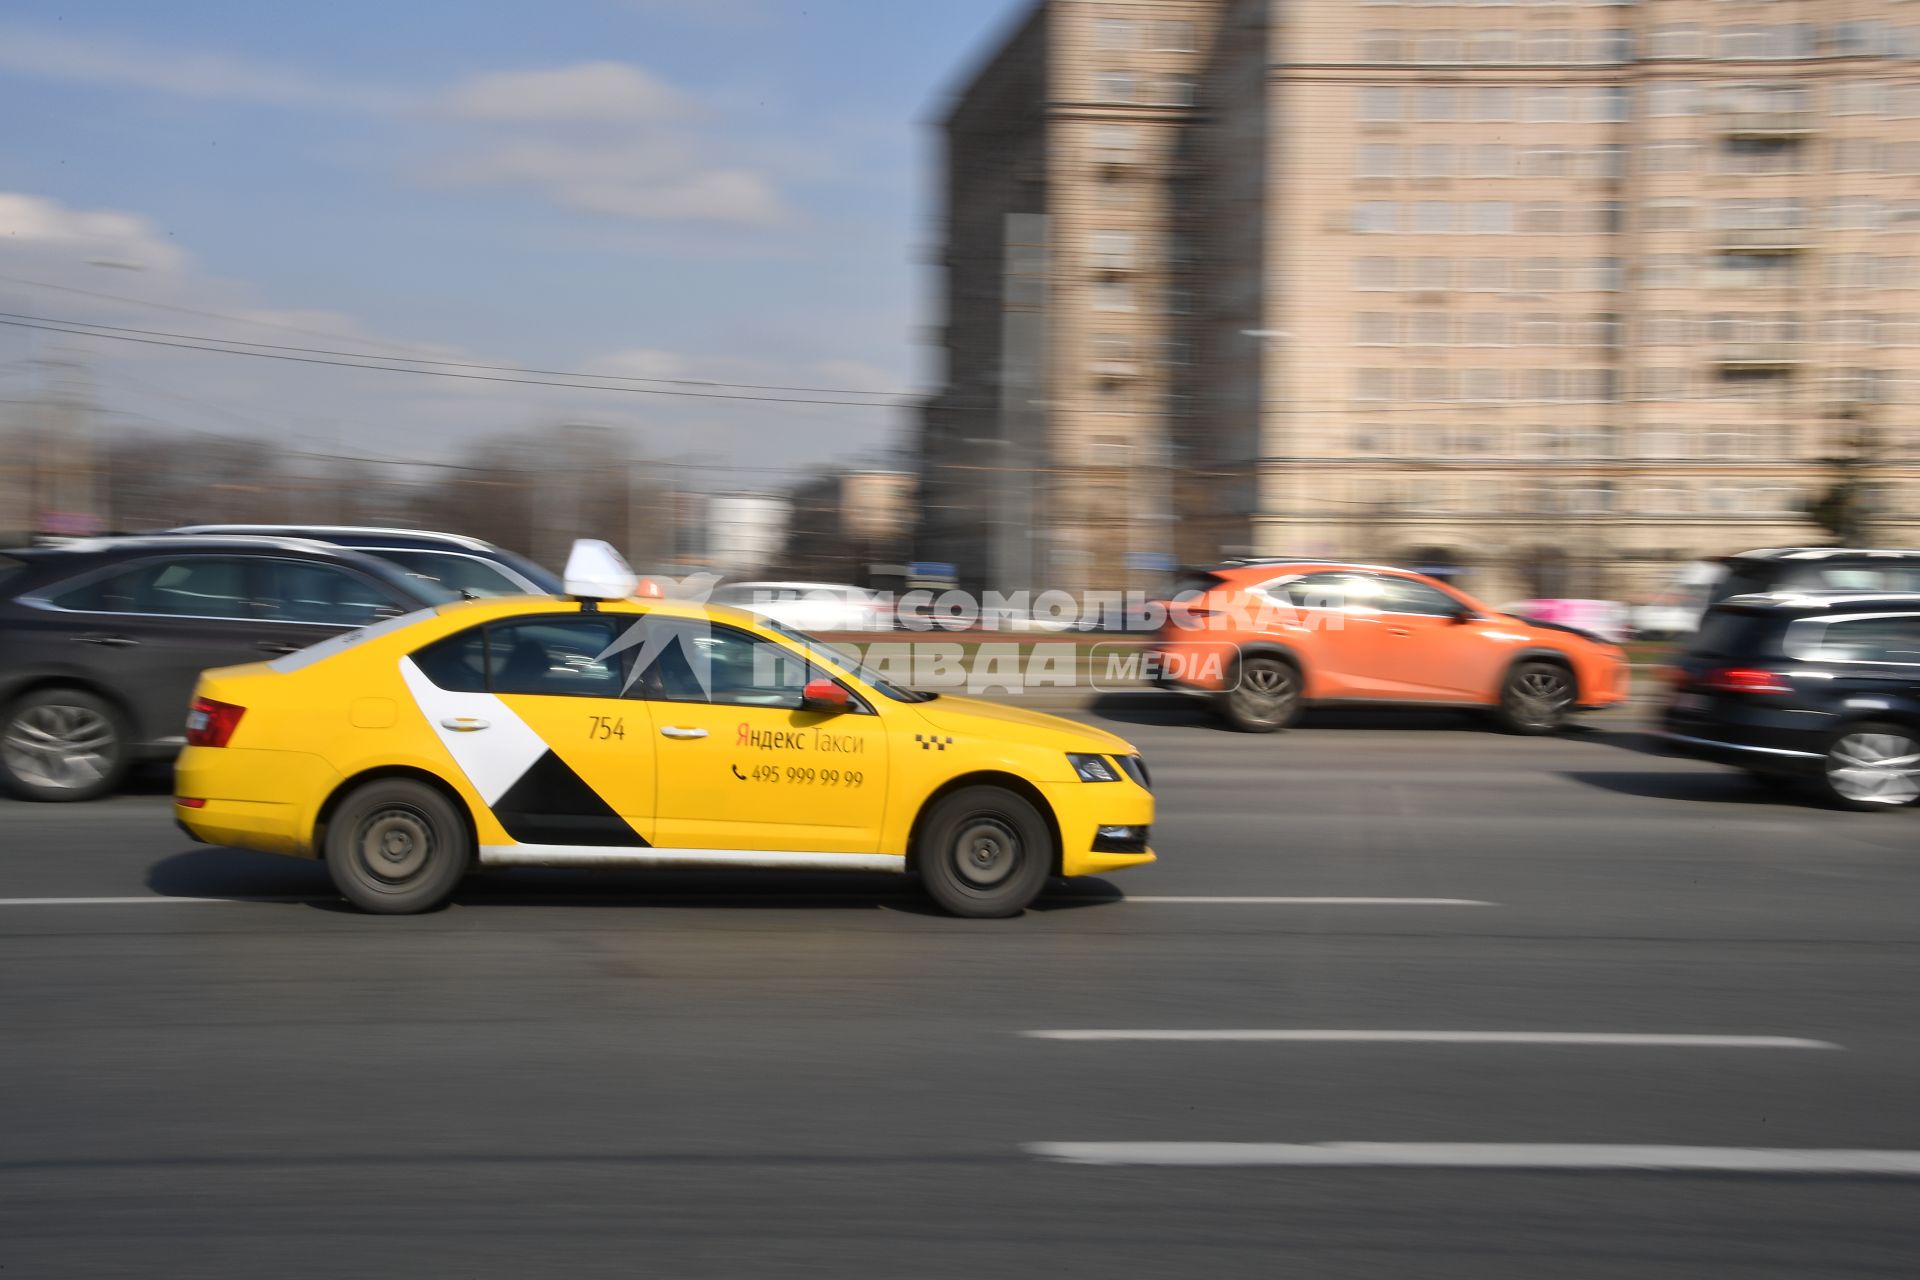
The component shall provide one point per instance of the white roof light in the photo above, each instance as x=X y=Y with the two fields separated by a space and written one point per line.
x=595 y=571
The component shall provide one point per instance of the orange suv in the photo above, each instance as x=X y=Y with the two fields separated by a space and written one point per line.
x=1261 y=639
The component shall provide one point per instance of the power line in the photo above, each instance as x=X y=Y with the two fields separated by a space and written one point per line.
x=364 y=355
x=58 y=326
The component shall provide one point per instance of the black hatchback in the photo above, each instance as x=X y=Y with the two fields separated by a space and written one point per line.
x=101 y=641
x=1824 y=688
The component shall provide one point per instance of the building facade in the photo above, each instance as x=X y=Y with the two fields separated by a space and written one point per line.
x=1557 y=295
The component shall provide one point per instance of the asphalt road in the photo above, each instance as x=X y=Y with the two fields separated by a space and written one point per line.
x=670 y=1075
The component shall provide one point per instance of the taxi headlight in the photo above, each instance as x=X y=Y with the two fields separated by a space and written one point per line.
x=1093 y=768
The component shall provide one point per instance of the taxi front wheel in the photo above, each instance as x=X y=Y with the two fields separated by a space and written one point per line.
x=395 y=847
x=984 y=852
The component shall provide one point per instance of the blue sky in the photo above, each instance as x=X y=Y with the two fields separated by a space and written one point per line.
x=708 y=189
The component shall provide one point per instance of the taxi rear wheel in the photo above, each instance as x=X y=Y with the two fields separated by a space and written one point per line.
x=1265 y=698
x=396 y=847
x=984 y=853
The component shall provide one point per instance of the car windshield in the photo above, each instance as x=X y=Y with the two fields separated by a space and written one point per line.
x=834 y=657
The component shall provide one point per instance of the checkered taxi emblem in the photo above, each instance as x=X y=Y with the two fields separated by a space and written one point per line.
x=932 y=741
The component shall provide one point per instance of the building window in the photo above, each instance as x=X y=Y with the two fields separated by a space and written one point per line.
x=1375 y=273
x=1612 y=104
x=1379 y=104
x=1373 y=384
x=1115 y=143
x=1606 y=161
x=1491 y=160
x=1113 y=295
x=1437 y=102
x=1492 y=104
x=1377 y=160
x=1373 y=217
x=1673 y=98
x=1433 y=160
x=1667 y=215
x=1175 y=37
x=1427 y=329
x=1549 y=48
x=1114 y=33
x=1176 y=91
x=1671 y=155
x=1543 y=218
x=1485 y=329
x=1430 y=275
x=1380 y=46
x=1680 y=40
x=1433 y=217
x=1115 y=86
x=1439 y=48
x=1487 y=275
x=1111 y=250
x=1548 y=106
x=1543 y=162
x=1374 y=328
x=1483 y=384
x=1490 y=46
x=1491 y=218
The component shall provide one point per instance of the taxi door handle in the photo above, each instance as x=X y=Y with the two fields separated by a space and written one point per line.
x=111 y=642
x=671 y=732
x=1399 y=631
x=463 y=724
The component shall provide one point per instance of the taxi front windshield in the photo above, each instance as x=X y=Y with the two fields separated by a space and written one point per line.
x=834 y=657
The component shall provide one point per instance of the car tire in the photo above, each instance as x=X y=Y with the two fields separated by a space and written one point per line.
x=1871 y=767
x=1265 y=697
x=397 y=847
x=63 y=744
x=984 y=853
x=1536 y=698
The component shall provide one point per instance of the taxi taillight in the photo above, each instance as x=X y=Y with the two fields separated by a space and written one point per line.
x=211 y=724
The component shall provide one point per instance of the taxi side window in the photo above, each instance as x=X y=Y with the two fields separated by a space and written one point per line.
x=1342 y=589
x=458 y=663
x=692 y=662
x=558 y=656
x=566 y=657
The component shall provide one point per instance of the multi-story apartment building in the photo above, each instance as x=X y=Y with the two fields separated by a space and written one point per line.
x=1558 y=294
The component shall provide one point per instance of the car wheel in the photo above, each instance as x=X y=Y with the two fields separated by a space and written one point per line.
x=1872 y=766
x=1536 y=698
x=395 y=847
x=984 y=852
x=1265 y=698
x=62 y=744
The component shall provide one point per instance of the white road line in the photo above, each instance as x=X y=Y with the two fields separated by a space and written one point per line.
x=1320 y=1036
x=144 y=899
x=1322 y=902
x=1484 y=1155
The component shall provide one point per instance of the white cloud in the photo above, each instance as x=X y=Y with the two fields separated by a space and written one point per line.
x=98 y=236
x=48 y=55
x=591 y=92
x=661 y=179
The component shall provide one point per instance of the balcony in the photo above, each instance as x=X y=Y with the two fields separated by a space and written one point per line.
x=1763 y=239
x=1758 y=355
x=1767 y=124
x=1114 y=369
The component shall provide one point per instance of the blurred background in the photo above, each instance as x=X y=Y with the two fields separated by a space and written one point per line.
x=1557 y=300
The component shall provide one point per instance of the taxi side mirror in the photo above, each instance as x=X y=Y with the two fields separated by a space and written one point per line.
x=824 y=695
x=1463 y=615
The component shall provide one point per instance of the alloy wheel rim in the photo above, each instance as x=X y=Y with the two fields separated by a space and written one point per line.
x=1541 y=695
x=1267 y=685
x=1875 y=768
x=59 y=747
x=986 y=852
x=394 y=844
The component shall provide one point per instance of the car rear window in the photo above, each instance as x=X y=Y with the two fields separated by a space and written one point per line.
x=1732 y=633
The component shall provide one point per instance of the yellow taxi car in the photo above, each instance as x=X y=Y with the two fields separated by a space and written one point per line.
x=605 y=730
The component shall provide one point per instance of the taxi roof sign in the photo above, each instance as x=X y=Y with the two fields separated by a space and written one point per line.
x=595 y=571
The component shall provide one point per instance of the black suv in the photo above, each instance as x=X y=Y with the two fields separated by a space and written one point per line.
x=466 y=566
x=1824 y=687
x=101 y=641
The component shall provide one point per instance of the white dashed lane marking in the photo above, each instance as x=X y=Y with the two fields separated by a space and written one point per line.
x=1312 y=1035
x=1487 y=1155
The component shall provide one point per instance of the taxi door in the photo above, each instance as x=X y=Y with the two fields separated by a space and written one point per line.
x=739 y=763
x=589 y=777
